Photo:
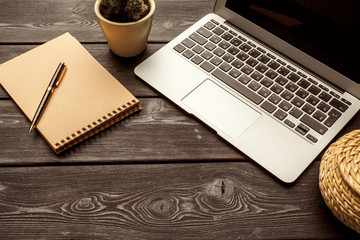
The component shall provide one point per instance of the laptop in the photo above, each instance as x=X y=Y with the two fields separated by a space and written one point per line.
x=276 y=79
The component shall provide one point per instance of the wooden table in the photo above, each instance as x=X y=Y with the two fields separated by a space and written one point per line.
x=159 y=174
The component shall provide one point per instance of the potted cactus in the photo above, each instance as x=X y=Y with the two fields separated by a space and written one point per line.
x=126 y=24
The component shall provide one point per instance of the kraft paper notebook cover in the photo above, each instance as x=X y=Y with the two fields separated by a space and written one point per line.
x=88 y=100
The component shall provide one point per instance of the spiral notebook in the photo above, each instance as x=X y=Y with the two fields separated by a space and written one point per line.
x=88 y=100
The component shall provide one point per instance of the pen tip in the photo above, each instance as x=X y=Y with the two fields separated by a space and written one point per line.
x=31 y=128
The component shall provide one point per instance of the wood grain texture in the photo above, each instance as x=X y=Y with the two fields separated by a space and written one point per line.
x=158 y=174
x=40 y=20
x=159 y=132
x=121 y=68
x=197 y=201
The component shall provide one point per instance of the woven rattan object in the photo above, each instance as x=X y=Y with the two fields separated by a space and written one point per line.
x=339 y=179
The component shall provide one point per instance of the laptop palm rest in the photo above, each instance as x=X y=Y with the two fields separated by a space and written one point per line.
x=214 y=105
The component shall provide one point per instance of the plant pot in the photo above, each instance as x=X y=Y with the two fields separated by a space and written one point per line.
x=126 y=39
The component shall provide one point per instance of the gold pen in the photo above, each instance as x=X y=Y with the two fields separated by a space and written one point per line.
x=54 y=83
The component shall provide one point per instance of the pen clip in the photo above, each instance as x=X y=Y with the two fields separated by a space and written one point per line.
x=63 y=70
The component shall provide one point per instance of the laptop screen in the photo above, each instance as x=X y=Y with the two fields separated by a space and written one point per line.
x=325 y=29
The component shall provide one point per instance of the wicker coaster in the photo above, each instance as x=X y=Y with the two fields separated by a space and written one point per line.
x=339 y=179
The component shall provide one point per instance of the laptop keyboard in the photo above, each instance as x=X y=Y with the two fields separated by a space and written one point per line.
x=284 y=91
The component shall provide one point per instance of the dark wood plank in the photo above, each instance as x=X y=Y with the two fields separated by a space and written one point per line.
x=159 y=132
x=38 y=21
x=121 y=68
x=157 y=201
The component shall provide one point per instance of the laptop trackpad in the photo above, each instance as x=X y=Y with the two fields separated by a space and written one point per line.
x=220 y=108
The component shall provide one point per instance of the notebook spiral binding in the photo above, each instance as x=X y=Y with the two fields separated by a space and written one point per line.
x=98 y=125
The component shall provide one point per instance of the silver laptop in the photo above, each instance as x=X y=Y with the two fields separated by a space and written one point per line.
x=276 y=79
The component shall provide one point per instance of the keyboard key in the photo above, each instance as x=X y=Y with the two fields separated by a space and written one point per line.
x=254 y=86
x=312 y=100
x=215 y=39
x=204 y=32
x=242 y=56
x=289 y=123
x=209 y=25
x=334 y=94
x=308 y=109
x=225 y=67
x=320 y=116
x=292 y=87
x=219 y=52
x=197 y=59
x=302 y=129
x=207 y=66
x=338 y=105
x=303 y=83
x=287 y=95
x=333 y=115
x=224 y=27
x=295 y=112
x=214 y=21
x=264 y=92
x=314 y=89
x=234 y=73
x=312 y=138
x=224 y=45
x=198 y=49
x=233 y=50
x=283 y=71
x=188 y=53
x=210 y=46
x=216 y=61
x=218 y=31
x=179 y=48
x=244 y=79
x=273 y=65
x=323 y=107
x=293 y=77
x=281 y=115
x=252 y=62
x=325 y=96
x=227 y=36
x=270 y=55
x=237 y=63
x=266 y=82
x=302 y=93
x=346 y=101
x=298 y=102
x=271 y=74
x=261 y=68
x=314 y=124
x=246 y=92
x=245 y=47
x=254 y=53
x=275 y=99
x=264 y=59
x=269 y=107
x=256 y=76
x=236 y=42
x=276 y=88
x=281 y=80
x=284 y=105
x=207 y=55
x=188 y=43
x=247 y=69
x=197 y=38
x=228 y=57
x=281 y=61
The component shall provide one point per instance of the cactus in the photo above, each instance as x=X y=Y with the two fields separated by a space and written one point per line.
x=124 y=10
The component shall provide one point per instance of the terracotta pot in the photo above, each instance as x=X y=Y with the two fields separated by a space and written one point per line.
x=126 y=39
